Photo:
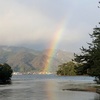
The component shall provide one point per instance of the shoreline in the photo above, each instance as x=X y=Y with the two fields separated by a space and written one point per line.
x=83 y=87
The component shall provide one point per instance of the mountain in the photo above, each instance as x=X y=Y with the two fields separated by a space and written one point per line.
x=22 y=59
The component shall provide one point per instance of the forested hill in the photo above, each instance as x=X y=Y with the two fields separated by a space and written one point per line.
x=24 y=60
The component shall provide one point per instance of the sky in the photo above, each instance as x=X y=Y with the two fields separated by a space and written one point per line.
x=34 y=23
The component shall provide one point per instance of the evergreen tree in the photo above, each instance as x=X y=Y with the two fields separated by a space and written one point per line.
x=90 y=58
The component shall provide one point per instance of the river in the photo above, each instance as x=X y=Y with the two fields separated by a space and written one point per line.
x=45 y=87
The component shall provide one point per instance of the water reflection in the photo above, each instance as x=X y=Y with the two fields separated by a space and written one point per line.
x=44 y=89
x=97 y=97
x=6 y=93
x=51 y=90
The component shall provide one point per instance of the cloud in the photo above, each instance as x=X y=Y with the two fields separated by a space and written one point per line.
x=19 y=24
x=34 y=22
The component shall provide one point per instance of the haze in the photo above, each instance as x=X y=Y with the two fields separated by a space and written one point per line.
x=33 y=23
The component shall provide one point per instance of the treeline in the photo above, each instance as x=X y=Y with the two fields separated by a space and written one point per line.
x=69 y=68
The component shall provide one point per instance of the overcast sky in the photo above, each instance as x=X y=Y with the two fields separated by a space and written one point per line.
x=33 y=23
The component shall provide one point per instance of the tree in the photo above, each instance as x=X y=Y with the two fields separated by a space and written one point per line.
x=67 y=69
x=5 y=73
x=90 y=57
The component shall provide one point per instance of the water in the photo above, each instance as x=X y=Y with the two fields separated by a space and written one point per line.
x=45 y=87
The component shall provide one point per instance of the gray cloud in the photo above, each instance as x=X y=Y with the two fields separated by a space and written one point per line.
x=34 y=22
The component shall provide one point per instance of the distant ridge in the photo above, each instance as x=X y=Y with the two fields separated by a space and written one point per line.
x=22 y=59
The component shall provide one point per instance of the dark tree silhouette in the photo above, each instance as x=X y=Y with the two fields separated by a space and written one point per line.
x=5 y=73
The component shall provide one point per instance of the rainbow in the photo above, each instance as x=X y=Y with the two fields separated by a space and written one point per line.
x=54 y=44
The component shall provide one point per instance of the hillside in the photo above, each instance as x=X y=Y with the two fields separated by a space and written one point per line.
x=24 y=60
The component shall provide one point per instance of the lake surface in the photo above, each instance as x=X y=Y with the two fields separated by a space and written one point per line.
x=45 y=87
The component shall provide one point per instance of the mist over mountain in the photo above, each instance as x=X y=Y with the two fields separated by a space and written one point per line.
x=23 y=59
